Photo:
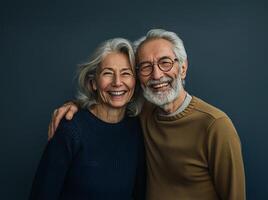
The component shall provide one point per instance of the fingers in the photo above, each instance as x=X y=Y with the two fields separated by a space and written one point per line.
x=51 y=129
x=58 y=115
x=67 y=110
x=72 y=110
x=50 y=133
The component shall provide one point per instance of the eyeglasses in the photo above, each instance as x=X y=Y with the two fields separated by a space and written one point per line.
x=165 y=64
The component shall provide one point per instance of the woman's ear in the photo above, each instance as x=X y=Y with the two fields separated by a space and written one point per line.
x=92 y=85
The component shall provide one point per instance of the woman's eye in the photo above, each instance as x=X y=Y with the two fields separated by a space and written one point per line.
x=107 y=73
x=126 y=73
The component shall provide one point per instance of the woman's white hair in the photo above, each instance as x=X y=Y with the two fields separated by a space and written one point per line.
x=86 y=96
x=172 y=37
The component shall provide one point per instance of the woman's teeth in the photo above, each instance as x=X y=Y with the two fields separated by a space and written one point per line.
x=117 y=93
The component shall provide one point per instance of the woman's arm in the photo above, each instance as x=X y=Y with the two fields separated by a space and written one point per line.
x=55 y=161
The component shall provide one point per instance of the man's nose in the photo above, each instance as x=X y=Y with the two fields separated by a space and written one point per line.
x=157 y=73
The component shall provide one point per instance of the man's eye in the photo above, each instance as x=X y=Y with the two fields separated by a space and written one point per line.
x=164 y=62
x=146 y=66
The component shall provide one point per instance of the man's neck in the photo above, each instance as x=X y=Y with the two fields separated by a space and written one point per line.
x=173 y=106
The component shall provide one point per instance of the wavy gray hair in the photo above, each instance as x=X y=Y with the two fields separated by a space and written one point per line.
x=172 y=37
x=86 y=96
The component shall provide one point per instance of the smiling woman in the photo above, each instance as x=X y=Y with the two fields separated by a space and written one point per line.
x=100 y=153
x=114 y=83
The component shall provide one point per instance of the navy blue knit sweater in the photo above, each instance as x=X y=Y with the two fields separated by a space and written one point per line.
x=90 y=159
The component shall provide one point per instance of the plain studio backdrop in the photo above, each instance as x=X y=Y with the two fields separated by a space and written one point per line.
x=42 y=42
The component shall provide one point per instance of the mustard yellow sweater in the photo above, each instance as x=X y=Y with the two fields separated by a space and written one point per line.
x=195 y=154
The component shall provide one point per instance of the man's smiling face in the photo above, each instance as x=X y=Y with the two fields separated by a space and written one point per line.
x=159 y=87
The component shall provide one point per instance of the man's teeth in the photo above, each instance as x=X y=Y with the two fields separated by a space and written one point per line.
x=156 y=86
x=117 y=93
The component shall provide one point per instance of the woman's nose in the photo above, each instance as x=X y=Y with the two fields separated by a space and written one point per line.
x=117 y=80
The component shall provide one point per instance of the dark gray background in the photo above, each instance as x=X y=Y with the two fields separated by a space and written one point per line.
x=42 y=43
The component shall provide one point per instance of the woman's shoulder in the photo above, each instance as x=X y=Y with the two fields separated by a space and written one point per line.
x=72 y=128
x=79 y=117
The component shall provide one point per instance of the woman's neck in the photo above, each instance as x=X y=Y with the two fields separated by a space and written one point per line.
x=108 y=114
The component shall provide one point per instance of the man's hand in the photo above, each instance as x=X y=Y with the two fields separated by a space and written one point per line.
x=67 y=110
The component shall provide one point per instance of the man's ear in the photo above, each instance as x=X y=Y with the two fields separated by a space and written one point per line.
x=184 y=68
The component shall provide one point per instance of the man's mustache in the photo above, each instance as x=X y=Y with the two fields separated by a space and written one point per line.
x=161 y=80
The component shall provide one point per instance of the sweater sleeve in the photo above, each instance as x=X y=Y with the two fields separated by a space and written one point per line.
x=55 y=161
x=225 y=160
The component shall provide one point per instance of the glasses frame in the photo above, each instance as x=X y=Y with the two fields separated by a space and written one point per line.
x=158 y=64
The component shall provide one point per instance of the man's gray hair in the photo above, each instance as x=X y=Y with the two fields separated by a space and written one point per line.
x=172 y=37
x=86 y=96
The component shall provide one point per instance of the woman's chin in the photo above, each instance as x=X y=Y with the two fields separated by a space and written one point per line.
x=118 y=104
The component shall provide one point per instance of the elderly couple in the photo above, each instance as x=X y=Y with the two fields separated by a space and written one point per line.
x=191 y=148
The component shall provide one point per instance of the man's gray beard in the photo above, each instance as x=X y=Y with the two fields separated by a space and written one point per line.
x=161 y=99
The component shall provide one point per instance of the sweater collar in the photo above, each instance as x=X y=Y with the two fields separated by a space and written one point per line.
x=183 y=106
x=181 y=113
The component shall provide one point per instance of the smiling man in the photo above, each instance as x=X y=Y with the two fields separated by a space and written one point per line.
x=192 y=148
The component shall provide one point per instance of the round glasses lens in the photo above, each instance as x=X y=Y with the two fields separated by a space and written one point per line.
x=165 y=64
x=146 y=69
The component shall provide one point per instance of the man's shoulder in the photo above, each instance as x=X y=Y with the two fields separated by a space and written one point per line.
x=208 y=109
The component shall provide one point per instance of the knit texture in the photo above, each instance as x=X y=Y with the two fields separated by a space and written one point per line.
x=195 y=154
x=91 y=159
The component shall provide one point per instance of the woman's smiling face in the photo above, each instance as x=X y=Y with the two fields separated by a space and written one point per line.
x=115 y=80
